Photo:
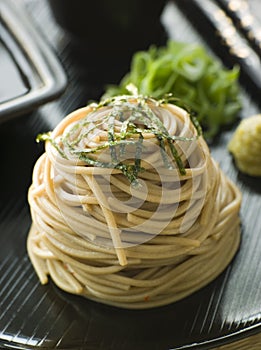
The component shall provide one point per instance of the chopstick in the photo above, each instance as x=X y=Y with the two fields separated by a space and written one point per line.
x=218 y=29
x=244 y=19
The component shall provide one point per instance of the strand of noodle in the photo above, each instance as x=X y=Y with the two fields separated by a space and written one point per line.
x=63 y=278
x=77 y=264
x=82 y=243
x=86 y=255
x=84 y=277
x=47 y=228
x=153 y=192
x=38 y=170
x=114 y=231
x=40 y=252
x=38 y=264
x=45 y=209
x=75 y=199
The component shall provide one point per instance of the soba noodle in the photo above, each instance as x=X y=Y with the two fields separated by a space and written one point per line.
x=128 y=206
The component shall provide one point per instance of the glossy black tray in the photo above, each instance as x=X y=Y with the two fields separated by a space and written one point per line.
x=30 y=72
x=43 y=317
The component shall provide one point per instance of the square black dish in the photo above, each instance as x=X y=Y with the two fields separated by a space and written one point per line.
x=43 y=317
x=30 y=72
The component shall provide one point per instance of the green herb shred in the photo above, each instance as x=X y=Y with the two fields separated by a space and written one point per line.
x=136 y=119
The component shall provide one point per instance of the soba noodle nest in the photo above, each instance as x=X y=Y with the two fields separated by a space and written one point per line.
x=128 y=206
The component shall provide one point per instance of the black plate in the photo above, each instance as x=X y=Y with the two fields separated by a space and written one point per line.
x=30 y=72
x=35 y=316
